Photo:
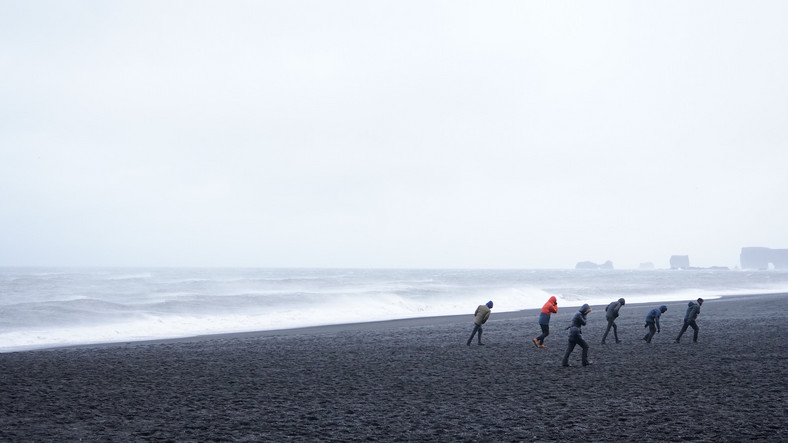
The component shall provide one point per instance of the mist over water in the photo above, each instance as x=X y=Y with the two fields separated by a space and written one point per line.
x=45 y=307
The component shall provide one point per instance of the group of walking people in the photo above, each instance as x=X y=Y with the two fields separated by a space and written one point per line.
x=482 y=314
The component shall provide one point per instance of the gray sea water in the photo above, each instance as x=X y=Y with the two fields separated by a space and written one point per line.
x=48 y=307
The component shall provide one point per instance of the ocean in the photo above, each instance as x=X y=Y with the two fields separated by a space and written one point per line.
x=52 y=307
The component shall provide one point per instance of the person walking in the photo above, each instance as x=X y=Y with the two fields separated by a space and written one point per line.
x=693 y=310
x=576 y=335
x=652 y=322
x=611 y=313
x=551 y=307
x=479 y=318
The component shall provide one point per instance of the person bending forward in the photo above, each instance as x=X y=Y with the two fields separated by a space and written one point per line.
x=693 y=310
x=652 y=322
x=479 y=318
x=551 y=307
x=576 y=335
x=611 y=313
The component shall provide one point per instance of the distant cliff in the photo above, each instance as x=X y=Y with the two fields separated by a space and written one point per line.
x=679 y=262
x=761 y=258
x=591 y=265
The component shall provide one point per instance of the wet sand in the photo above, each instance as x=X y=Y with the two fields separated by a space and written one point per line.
x=416 y=380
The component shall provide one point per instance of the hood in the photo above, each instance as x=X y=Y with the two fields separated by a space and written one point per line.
x=622 y=301
x=553 y=300
x=585 y=309
x=490 y=304
x=663 y=308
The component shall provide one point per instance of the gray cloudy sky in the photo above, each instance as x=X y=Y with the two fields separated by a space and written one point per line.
x=391 y=133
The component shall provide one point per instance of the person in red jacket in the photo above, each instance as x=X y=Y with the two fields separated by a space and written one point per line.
x=551 y=307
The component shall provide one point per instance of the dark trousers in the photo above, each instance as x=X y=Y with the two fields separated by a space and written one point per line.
x=475 y=329
x=545 y=333
x=687 y=324
x=652 y=329
x=615 y=329
x=571 y=347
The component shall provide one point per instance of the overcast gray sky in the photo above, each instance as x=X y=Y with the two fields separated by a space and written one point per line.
x=391 y=134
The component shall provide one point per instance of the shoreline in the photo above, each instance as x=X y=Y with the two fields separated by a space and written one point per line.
x=376 y=325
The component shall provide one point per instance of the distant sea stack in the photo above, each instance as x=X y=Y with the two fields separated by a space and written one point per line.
x=591 y=265
x=679 y=262
x=761 y=258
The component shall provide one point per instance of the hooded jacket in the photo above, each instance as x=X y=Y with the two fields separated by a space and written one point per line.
x=654 y=314
x=578 y=321
x=611 y=311
x=693 y=310
x=481 y=315
x=551 y=307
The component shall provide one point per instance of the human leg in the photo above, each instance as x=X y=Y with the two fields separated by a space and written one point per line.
x=615 y=332
x=683 y=329
x=570 y=347
x=652 y=329
x=609 y=325
x=696 y=329
x=584 y=345
x=545 y=333
x=475 y=329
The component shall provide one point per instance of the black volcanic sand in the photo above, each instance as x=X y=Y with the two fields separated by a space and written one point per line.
x=416 y=380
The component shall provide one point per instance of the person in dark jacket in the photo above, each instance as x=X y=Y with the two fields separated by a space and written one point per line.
x=551 y=307
x=479 y=318
x=611 y=312
x=693 y=310
x=576 y=335
x=652 y=322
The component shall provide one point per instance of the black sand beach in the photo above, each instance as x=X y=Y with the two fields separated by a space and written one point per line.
x=417 y=380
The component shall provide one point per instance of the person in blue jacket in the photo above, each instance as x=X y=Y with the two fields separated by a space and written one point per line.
x=693 y=310
x=652 y=322
x=611 y=313
x=576 y=335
